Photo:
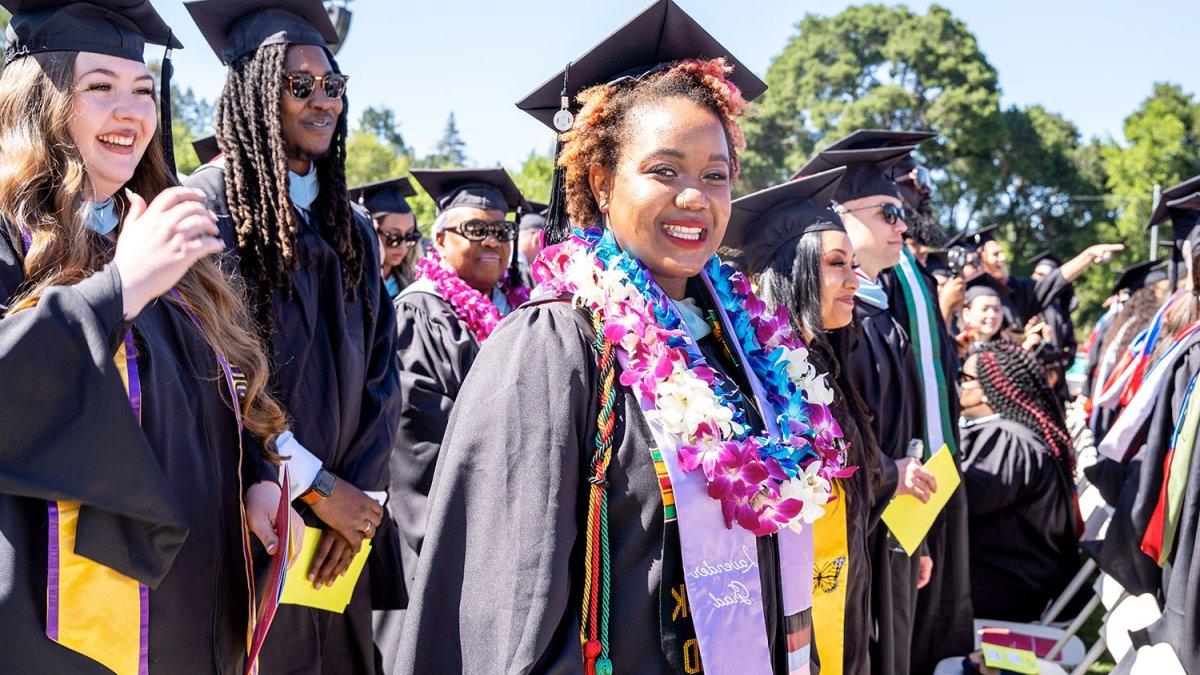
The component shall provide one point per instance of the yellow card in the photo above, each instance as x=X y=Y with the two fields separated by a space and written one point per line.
x=298 y=590
x=909 y=519
x=1010 y=659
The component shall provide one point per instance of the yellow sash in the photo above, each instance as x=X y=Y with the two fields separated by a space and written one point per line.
x=92 y=609
x=831 y=564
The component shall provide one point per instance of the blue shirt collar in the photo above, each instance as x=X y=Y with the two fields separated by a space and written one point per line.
x=102 y=218
x=303 y=189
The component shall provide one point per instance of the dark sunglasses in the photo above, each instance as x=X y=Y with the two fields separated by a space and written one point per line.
x=891 y=212
x=398 y=240
x=302 y=85
x=965 y=377
x=478 y=230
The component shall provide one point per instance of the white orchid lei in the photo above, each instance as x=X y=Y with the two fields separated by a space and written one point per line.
x=764 y=483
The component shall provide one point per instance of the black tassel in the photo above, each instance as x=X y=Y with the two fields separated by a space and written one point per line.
x=558 y=224
x=164 y=102
x=514 y=263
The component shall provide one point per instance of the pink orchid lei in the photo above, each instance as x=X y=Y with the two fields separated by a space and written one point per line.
x=764 y=483
x=472 y=307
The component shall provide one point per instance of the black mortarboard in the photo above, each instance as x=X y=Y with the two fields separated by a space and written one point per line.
x=488 y=189
x=866 y=139
x=385 y=196
x=234 y=28
x=206 y=148
x=762 y=222
x=1185 y=217
x=1045 y=255
x=663 y=33
x=867 y=170
x=533 y=216
x=984 y=284
x=973 y=239
x=1136 y=277
x=1162 y=209
x=118 y=28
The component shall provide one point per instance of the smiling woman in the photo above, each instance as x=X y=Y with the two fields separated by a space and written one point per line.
x=121 y=495
x=708 y=449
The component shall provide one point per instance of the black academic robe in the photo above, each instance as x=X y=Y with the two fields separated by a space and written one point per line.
x=160 y=499
x=334 y=372
x=499 y=580
x=1132 y=487
x=882 y=369
x=434 y=350
x=1028 y=297
x=944 y=619
x=1024 y=550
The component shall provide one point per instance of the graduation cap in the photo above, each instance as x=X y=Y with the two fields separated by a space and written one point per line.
x=235 y=28
x=118 y=28
x=662 y=34
x=1162 y=210
x=533 y=216
x=763 y=222
x=1185 y=217
x=206 y=148
x=867 y=170
x=1044 y=256
x=488 y=189
x=983 y=284
x=385 y=196
x=1140 y=275
x=974 y=239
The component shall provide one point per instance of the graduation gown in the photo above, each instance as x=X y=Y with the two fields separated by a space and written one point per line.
x=1022 y=511
x=499 y=580
x=1029 y=297
x=160 y=499
x=434 y=351
x=334 y=373
x=881 y=368
x=944 y=619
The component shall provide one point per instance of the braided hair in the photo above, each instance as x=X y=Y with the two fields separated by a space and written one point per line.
x=249 y=132
x=1015 y=386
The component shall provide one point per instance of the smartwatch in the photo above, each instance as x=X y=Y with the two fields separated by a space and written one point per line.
x=321 y=488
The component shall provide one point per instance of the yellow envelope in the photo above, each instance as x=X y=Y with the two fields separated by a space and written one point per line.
x=298 y=590
x=1010 y=659
x=909 y=519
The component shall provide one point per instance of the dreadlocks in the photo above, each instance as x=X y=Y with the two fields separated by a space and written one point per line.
x=1015 y=386
x=250 y=134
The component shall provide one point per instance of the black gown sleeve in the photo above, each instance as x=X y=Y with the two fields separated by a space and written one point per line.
x=69 y=432
x=997 y=472
x=365 y=461
x=435 y=351
x=493 y=587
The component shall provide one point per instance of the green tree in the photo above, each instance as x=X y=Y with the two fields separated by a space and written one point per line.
x=382 y=122
x=451 y=149
x=535 y=176
x=886 y=67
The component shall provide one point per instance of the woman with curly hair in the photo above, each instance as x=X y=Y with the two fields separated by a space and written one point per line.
x=140 y=439
x=1019 y=473
x=638 y=498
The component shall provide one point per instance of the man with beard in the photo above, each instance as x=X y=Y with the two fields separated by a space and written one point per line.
x=308 y=261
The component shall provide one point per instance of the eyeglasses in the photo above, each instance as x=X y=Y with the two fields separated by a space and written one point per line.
x=302 y=85
x=965 y=377
x=397 y=240
x=891 y=212
x=478 y=230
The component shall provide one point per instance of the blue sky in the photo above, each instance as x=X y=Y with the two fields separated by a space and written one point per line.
x=1091 y=61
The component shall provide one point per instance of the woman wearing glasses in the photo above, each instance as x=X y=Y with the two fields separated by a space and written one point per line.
x=464 y=285
x=396 y=226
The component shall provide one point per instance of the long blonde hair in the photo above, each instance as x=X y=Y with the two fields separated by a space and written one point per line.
x=42 y=188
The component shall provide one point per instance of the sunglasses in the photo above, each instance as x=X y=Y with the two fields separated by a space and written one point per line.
x=398 y=240
x=478 y=230
x=891 y=212
x=302 y=85
x=965 y=377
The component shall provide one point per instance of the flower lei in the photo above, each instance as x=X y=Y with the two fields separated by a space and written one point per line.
x=764 y=483
x=472 y=307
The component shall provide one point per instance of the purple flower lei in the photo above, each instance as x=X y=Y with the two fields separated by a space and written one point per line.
x=473 y=308
x=763 y=483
